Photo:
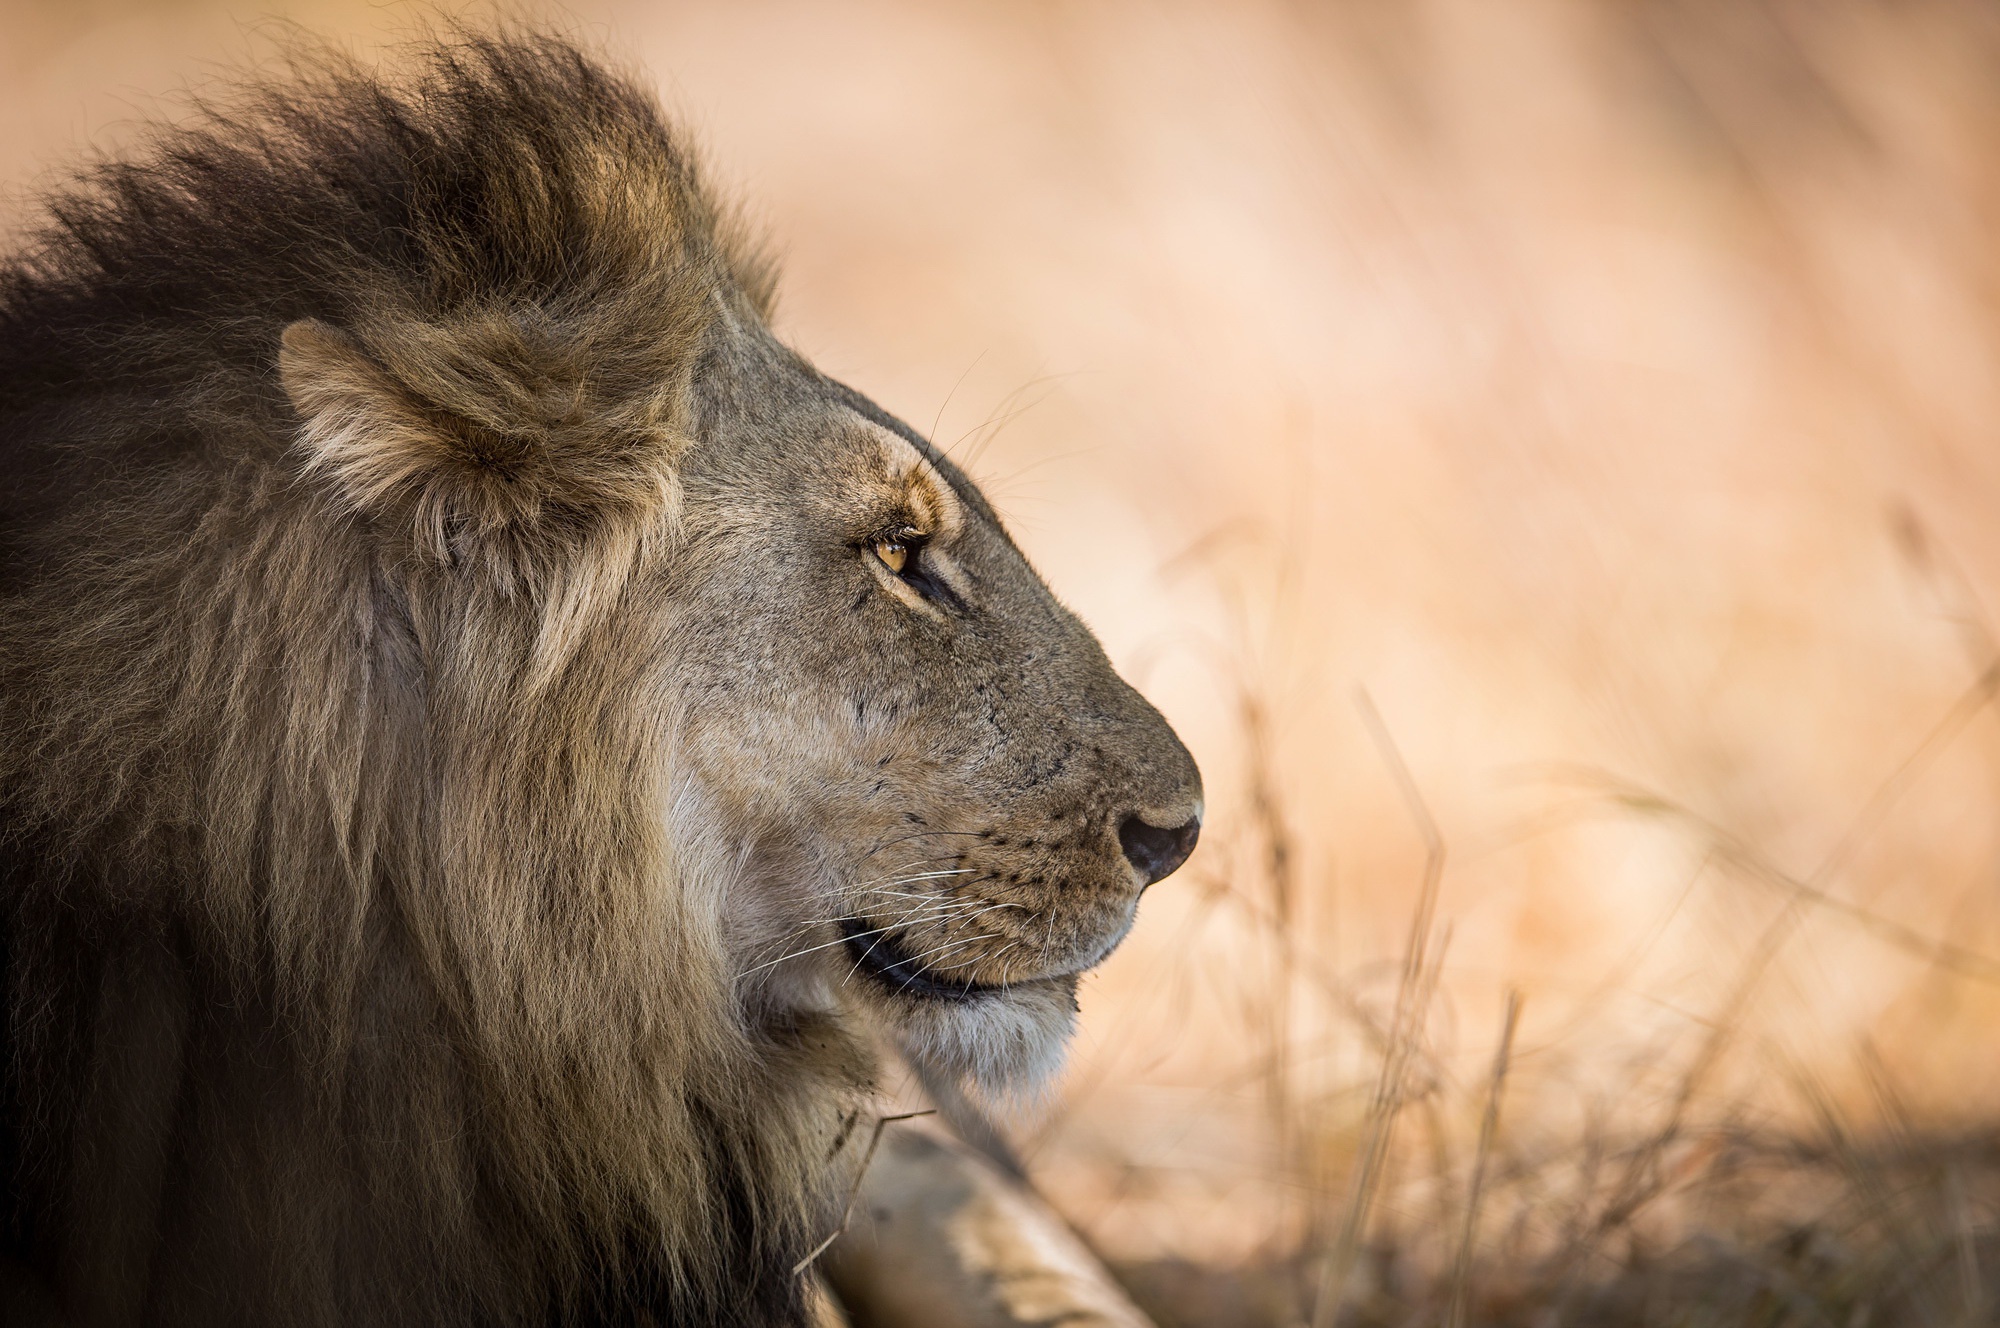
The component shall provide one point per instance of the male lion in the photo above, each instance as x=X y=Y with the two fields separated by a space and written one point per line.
x=491 y=736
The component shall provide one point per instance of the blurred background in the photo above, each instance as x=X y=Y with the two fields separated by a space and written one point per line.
x=1543 y=458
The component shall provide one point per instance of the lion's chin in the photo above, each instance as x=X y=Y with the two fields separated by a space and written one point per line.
x=1005 y=1041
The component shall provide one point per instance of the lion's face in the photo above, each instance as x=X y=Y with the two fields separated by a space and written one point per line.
x=953 y=800
x=939 y=802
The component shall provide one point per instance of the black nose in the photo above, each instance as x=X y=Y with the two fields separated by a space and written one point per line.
x=1154 y=851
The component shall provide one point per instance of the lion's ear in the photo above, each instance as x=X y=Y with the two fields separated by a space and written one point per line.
x=478 y=437
x=360 y=427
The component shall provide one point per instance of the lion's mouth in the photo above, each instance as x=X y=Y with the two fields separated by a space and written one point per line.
x=886 y=963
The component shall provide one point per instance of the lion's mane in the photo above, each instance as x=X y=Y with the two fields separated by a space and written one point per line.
x=358 y=907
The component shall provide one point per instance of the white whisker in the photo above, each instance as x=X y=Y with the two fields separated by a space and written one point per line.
x=1006 y=967
x=992 y=935
x=951 y=945
x=939 y=908
x=811 y=949
x=931 y=876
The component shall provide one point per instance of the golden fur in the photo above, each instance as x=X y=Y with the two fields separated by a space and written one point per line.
x=460 y=748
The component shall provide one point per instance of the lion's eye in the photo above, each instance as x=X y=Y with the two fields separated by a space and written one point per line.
x=894 y=551
x=898 y=548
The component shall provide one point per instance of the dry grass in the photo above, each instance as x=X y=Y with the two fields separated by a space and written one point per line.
x=1711 y=1212
x=1793 y=1203
x=1609 y=390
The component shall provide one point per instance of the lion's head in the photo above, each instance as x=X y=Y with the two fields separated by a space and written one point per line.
x=945 y=800
x=461 y=654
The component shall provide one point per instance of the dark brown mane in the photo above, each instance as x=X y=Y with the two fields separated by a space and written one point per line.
x=412 y=968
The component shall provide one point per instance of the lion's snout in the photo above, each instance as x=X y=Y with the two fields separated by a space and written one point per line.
x=1160 y=820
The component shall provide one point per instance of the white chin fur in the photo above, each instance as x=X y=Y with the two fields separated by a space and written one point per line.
x=1004 y=1045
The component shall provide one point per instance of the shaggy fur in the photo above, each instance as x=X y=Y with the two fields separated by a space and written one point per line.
x=465 y=731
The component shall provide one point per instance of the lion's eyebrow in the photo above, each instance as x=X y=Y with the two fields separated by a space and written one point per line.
x=931 y=496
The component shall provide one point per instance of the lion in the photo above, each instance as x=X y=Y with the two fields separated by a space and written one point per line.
x=496 y=745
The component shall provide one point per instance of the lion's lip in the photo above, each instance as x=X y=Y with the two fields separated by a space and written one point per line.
x=879 y=955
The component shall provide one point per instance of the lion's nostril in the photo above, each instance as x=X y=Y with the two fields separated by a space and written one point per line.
x=1155 y=851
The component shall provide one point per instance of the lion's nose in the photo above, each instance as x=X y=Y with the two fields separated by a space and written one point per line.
x=1155 y=851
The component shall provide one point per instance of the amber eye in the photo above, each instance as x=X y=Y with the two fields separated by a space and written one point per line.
x=900 y=550
x=894 y=551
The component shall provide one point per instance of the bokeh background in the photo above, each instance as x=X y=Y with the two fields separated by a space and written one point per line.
x=1545 y=458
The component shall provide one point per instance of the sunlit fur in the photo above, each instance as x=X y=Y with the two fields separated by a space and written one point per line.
x=448 y=703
